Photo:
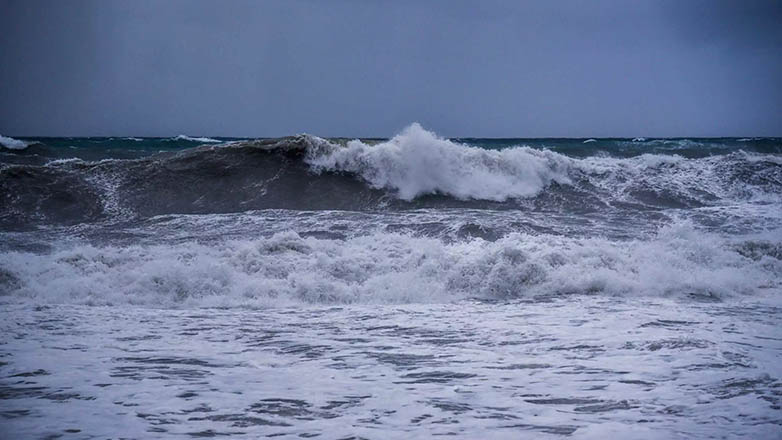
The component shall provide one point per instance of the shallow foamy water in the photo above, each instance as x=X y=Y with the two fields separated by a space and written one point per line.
x=579 y=366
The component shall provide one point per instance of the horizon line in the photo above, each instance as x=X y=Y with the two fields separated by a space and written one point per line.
x=17 y=136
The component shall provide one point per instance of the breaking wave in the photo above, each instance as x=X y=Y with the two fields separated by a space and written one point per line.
x=415 y=169
x=416 y=163
x=288 y=269
x=415 y=218
x=13 y=144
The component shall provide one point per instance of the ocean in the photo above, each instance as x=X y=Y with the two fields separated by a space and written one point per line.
x=396 y=288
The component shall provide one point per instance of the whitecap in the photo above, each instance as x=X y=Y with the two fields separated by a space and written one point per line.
x=57 y=162
x=13 y=144
x=183 y=137
x=387 y=267
x=418 y=162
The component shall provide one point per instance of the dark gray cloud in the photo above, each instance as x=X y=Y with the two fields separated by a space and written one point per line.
x=357 y=68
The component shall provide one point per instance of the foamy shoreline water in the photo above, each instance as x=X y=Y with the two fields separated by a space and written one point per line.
x=579 y=367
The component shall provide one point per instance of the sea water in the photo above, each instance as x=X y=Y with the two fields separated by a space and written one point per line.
x=390 y=288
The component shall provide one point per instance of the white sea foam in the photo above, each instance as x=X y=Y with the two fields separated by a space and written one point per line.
x=575 y=368
x=393 y=268
x=417 y=162
x=13 y=144
x=57 y=162
x=755 y=158
x=183 y=137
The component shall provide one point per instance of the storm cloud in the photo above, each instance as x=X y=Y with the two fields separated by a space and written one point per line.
x=357 y=68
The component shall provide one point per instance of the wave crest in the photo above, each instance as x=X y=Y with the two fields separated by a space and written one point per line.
x=415 y=169
x=13 y=144
x=183 y=137
x=417 y=162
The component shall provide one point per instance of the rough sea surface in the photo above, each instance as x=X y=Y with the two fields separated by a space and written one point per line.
x=390 y=288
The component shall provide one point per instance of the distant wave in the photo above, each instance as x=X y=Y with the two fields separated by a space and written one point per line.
x=13 y=144
x=130 y=138
x=639 y=139
x=588 y=141
x=183 y=137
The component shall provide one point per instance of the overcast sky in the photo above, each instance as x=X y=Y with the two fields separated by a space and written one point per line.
x=369 y=68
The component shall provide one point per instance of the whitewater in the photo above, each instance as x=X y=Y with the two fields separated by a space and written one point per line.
x=390 y=288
